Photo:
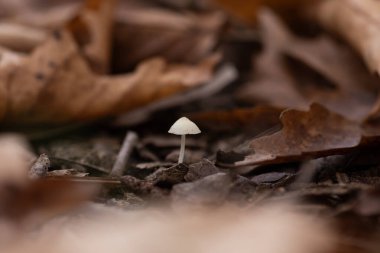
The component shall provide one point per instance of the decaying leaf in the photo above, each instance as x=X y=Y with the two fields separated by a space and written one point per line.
x=353 y=90
x=55 y=85
x=272 y=83
x=161 y=178
x=314 y=133
x=92 y=29
x=142 y=32
x=172 y=175
x=358 y=22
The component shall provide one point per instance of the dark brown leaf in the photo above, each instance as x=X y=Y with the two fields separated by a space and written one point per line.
x=314 y=133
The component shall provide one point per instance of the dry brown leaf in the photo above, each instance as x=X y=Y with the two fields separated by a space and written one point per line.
x=92 y=29
x=55 y=85
x=300 y=82
x=305 y=134
x=143 y=32
x=358 y=22
x=272 y=83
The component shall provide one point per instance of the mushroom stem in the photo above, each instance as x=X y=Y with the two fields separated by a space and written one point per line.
x=182 y=150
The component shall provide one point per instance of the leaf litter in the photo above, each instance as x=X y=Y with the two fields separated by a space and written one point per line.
x=288 y=151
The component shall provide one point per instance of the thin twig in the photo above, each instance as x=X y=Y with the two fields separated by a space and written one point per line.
x=90 y=180
x=124 y=154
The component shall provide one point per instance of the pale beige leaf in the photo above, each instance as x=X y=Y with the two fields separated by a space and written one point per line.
x=358 y=21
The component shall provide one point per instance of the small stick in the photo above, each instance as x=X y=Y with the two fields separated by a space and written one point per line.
x=124 y=154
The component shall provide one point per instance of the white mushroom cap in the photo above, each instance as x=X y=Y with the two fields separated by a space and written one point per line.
x=184 y=126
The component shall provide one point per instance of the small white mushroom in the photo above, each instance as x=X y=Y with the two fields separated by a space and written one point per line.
x=183 y=126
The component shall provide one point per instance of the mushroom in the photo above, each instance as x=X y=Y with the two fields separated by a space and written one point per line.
x=182 y=127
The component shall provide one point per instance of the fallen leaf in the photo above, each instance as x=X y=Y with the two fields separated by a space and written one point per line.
x=305 y=134
x=142 y=32
x=277 y=82
x=92 y=29
x=55 y=85
x=168 y=176
x=158 y=181
x=272 y=83
x=356 y=21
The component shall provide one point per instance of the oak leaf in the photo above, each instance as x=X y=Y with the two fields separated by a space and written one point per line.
x=294 y=72
x=55 y=85
x=305 y=134
x=358 y=22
